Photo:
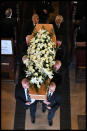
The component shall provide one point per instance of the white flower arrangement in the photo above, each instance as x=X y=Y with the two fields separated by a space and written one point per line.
x=40 y=58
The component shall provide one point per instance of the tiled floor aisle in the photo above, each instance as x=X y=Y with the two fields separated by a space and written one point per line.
x=41 y=120
x=7 y=105
x=77 y=99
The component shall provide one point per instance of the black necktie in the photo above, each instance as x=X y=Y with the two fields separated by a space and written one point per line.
x=28 y=97
x=49 y=96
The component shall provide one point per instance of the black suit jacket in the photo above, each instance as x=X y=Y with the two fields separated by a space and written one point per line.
x=60 y=55
x=19 y=90
x=8 y=27
x=40 y=6
x=58 y=31
x=55 y=101
x=20 y=95
x=28 y=28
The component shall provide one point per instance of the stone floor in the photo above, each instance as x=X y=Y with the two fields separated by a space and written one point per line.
x=41 y=120
x=7 y=105
x=77 y=99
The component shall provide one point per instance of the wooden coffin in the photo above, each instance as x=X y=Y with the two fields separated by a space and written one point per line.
x=42 y=91
x=48 y=27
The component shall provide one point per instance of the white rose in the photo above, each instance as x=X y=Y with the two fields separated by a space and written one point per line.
x=36 y=41
x=30 y=67
x=39 y=36
x=35 y=74
x=47 y=65
x=43 y=51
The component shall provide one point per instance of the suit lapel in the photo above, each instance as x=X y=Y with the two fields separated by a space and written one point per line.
x=23 y=94
x=52 y=100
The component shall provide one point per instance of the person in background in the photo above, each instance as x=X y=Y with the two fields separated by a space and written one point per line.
x=43 y=9
x=58 y=25
x=80 y=30
x=8 y=25
x=9 y=30
x=60 y=57
x=52 y=103
x=60 y=52
x=8 y=13
x=23 y=98
x=28 y=29
x=30 y=25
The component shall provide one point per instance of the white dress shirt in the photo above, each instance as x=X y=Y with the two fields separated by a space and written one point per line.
x=50 y=93
x=32 y=100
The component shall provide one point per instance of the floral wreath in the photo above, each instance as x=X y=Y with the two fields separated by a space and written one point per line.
x=40 y=58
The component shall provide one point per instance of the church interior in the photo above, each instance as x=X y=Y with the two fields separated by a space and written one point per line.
x=71 y=81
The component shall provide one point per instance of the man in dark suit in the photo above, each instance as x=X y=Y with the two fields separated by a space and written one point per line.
x=60 y=56
x=60 y=52
x=30 y=25
x=43 y=9
x=8 y=25
x=57 y=79
x=28 y=29
x=52 y=103
x=23 y=98
x=58 y=25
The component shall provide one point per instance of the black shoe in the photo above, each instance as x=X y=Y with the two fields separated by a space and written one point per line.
x=27 y=108
x=50 y=123
x=43 y=110
x=33 y=120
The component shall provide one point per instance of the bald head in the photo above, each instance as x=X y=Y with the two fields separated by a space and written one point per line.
x=52 y=87
x=59 y=19
x=25 y=83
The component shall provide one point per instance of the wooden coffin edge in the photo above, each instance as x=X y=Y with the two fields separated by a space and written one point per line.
x=39 y=26
x=38 y=97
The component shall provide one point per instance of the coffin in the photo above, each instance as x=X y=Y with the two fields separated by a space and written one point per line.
x=42 y=91
x=48 y=27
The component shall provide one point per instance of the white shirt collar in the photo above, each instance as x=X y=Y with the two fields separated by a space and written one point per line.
x=34 y=24
x=25 y=89
x=32 y=100
x=49 y=93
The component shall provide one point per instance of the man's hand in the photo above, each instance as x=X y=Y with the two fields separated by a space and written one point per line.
x=45 y=11
x=28 y=39
x=46 y=102
x=28 y=103
x=48 y=107
x=57 y=65
x=58 y=43
x=24 y=58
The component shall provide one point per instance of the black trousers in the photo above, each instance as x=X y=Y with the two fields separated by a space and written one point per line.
x=51 y=112
x=33 y=108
